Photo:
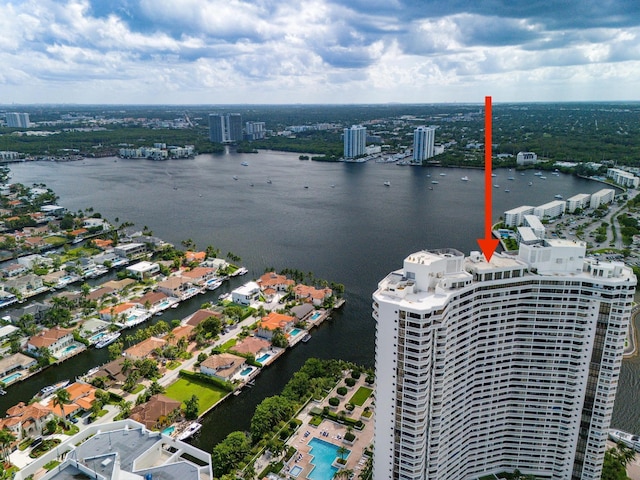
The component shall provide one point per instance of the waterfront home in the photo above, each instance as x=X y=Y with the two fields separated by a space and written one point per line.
x=99 y=293
x=279 y=283
x=154 y=413
x=123 y=449
x=55 y=339
x=18 y=362
x=13 y=270
x=302 y=312
x=200 y=316
x=92 y=222
x=246 y=294
x=34 y=242
x=29 y=261
x=26 y=285
x=182 y=331
x=81 y=397
x=251 y=345
x=222 y=366
x=144 y=349
x=216 y=263
x=313 y=295
x=116 y=312
x=144 y=269
x=71 y=298
x=36 y=309
x=7 y=299
x=199 y=275
x=272 y=322
x=78 y=233
x=119 y=285
x=27 y=420
x=111 y=373
x=175 y=286
x=103 y=244
x=152 y=301
x=131 y=250
x=93 y=326
x=198 y=257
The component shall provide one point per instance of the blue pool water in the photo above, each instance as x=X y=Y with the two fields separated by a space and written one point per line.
x=246 y=371
x=169 y=430
x=295 y=471
x=11 y=378
x=324 y=453
x=315 y=315
x=95 y=338
x=263 y=357
x=294 y=332
x=69 y=349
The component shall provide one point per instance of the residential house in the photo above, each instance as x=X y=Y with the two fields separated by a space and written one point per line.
x=274 y=321
x=27 y=420
x=222 y=366
x=35 y=242
x=154 y=413
x=13 y=270
x=115 y=312
x=246 y=294
x=175 y=286
x=55 y=339
x=252 y=345
x=26 y=285
x=190 y=257
x=302 y=312
x=111 y=373
x=151 y=299
x=119 y=285
x=199 y=275
x=100 y=293
x=79 y=232
x=15 y=363
x=81 y=397
x=145 y=348
x=313 y=295
x=279 y=283
x=183 y=331
x=131 y=250
x=201 y=315
x=103 y=244
x=144 y=269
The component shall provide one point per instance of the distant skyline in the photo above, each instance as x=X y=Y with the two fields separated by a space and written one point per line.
x=325 y=51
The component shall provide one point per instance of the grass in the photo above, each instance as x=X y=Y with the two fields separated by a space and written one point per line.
x=51 y=465
x=172 y=365
x=208 y=395
x=228 y=344
x=361 y=396
x=138 y=389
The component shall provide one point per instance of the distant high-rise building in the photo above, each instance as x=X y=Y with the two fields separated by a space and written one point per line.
x=19 y=120
x=355 y=141
x=255 y=130
x=487 y=367
x=423 y=143
x=225 y=128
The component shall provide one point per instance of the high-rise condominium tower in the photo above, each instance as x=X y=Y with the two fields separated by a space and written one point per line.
x=15 y=119
x=225 y=128
x=355 y=141
x=423 y=143
x=490 y=367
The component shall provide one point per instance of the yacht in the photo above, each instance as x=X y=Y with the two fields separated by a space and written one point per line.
x=387 y=183
x=443 y=174
x=465 y=179
x=631 y=441
x=530 y=183
x=108 y=339
x=53 y=388
x=495 y=185
x=511 y=178
x=306 y=338
x=240 y=271
x=190 y=431
x=244 y=164
x=507 y=190
x=494 y=175
x=213 y=284
x=435 y=182
x=543 y=178
x=558 y=196
x=537 y=174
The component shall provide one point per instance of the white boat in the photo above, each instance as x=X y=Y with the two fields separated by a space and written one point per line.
x=306 y=338
x=496 y=186
x=190 y=431
x=387 y=183
x=465 y=179
x=108 y=339
x=511 y=178
x=435 y=182
x=235 y=177
x=494 y=175
x=53 y=388
x=91 y=371
x=213 y=284
x=240 y=271
x=244 y=164
x=530 y=183
x=543 y=178
x=559 y=197
x=628 y=439
x=538 y=174
x=269 y=181
x=2 y=392
x=507 y=190
x=443 y=174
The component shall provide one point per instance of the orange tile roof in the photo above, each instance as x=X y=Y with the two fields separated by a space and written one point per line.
x=49 y=337
x=270 y=279
x=145 y=347
x=275 y=320
x=103 y=243
x=198 y=272
x=201 y=315
x=79 y=231
x=117 y=309
x=304 y=291
x=190 y=256
x=251 y=345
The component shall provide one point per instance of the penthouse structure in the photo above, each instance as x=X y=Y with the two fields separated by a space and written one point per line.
x=623 y=178
x=355 y=141
x=423 y=143
x=487 y=367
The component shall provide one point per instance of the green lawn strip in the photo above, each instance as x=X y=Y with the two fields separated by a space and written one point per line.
x=228 y=344
x=361 y=396
x=183 y=389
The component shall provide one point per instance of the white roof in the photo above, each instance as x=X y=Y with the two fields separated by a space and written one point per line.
x=7 y=330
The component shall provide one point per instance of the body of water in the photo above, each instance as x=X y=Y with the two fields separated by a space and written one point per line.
x=336 y=220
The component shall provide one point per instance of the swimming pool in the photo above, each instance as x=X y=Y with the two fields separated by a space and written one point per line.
x=246 y=371
x=294 y=332
x=169 y=430
x=295 y=471
x=315 y=316
x=263 y=357
x=68 y=350
x=324 y=453
x=11 y=378
x=95 y=338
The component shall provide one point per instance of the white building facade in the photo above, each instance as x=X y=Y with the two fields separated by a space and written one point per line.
x=602 y=197
x=423 y=143
x=515 y=216
x=623 y=178
x=526 y=158
x=485 y=368
x=17 y=120
x=579 y=201
x=355 y=141
x=550 y=210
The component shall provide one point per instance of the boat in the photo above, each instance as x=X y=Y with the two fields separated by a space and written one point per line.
x=333 y=186
x=628 y=439
x=387 y=183
x=306 y=338
x=240 y=271
x=213 y=284
x=465 y=179
x=430 y=188
x=108 y=339
x=496 y=185
x=175 y=305
x=511 y=178
x=559 y=197
x=538 y=174
x=530 y=183
x=244 y=164
x=306 y=186
x=235 y=177
x=435 y=182
x=269 y=181
x=48 y=390
x=443 y=174
x=494 y=175
x=91 y=371
x=224 y=296
x=190 y=431
x=2 y=392
x=543 y=178
x=507 y=190
x=251 y=184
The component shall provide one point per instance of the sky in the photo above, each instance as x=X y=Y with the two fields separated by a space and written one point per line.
x=318 y=51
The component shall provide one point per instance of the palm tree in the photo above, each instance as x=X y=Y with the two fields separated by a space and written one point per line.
x=125 y=408
x=342 y=451
x=60 y=399
x=6 y=437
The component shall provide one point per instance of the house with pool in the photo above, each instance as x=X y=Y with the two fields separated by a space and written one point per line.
x=59 y=341
x=154 y=301
x=15 y=367
x=274 y=321
x=315 y=296
x=223 y=366
x=246 y=294
x=252 y=346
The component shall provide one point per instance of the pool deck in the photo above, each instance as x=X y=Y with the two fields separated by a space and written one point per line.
x=331 y=432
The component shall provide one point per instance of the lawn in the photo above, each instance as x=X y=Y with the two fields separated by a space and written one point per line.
x=208 y=395
x=228 y=344
x=361 y=396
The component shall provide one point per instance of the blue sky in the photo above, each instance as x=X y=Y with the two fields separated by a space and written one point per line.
x=318 y=51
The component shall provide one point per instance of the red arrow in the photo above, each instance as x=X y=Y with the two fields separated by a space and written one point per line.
x=488 y=244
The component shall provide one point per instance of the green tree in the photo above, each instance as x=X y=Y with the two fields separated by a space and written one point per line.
x=278 y=339
x=228 y=454
x=115 y=350
x=191 y=407
x=6 y=437
x=60 y=399
x=125 y=408
x=268 y=414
